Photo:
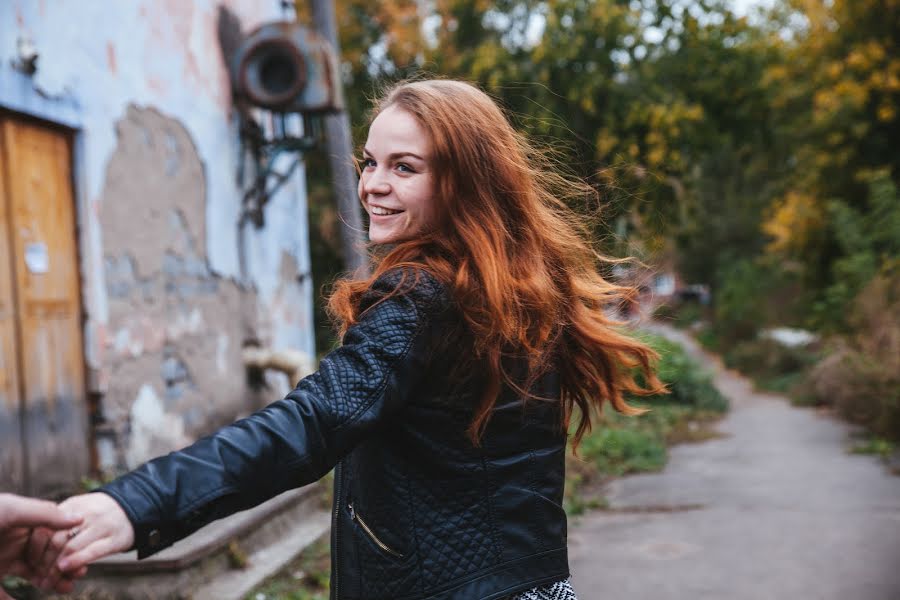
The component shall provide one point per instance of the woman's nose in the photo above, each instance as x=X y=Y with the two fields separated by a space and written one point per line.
x=375 y=182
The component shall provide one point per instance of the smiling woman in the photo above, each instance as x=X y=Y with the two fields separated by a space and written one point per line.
x=396 y=185
x=445 y=412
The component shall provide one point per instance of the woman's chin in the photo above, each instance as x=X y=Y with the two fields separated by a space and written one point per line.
x=380 y=236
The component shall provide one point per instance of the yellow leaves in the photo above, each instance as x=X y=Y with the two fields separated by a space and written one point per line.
x=866 y=57
x=892 y=83
x=792 y=222
x=588 y=104
x=485 y=61
x=846 y=93
x=852 y=91
x=834 y=69
x=656 y=157
x=606 y=142
x=693 y=113
x=857 y=60
x=886 y=113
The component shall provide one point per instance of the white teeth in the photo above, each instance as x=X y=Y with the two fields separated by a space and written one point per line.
x=377 y=210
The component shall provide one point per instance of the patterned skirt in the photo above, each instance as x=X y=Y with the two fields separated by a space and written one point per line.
x=561 y=590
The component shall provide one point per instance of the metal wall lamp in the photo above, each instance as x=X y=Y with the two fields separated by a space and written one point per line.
x=285 y=79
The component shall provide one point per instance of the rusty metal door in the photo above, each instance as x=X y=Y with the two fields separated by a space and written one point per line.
x=43 y=407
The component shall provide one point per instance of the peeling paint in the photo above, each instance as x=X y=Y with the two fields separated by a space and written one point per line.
x=222 y=354
x=144 y=85
x=111 y=57
x=171 y=314
x=154 y=431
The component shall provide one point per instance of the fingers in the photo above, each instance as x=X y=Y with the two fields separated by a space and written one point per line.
x=47 y=565
x=13 y=543
x=19 y=569
x=80 y=559
x=37 y=545
x=29 y=512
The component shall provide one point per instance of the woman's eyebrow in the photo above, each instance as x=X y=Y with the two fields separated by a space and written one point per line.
x=397 y=155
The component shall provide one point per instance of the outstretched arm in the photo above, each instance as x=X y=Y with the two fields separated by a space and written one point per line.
x=291 y=442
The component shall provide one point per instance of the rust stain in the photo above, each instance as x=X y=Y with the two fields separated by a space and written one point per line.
x=100 y=340
x=173 y=24
x=111 y=57
x=157 y=85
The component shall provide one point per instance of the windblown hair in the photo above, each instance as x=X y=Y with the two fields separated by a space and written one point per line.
x=517 y=260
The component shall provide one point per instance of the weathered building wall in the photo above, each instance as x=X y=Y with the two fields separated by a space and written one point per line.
x=167 y=307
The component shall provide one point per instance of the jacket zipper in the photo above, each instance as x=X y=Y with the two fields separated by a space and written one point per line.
x=335 y=528
x=355 y=516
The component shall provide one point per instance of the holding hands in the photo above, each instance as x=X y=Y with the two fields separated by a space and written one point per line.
x=52 y=545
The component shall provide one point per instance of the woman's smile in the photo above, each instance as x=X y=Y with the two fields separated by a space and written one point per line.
x=380 y=211
x=396 y=185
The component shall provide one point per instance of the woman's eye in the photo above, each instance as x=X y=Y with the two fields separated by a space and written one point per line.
x=367 y=163
x=404 y=168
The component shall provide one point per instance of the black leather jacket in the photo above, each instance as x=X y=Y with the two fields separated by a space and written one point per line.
x=418 y=511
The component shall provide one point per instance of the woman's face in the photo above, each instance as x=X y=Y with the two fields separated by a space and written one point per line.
x=397 y=183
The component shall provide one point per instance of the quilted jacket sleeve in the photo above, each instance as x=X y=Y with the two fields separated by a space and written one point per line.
x=296 y=440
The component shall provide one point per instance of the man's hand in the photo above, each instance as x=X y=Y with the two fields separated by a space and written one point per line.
x=106 y=530
x=19 y=519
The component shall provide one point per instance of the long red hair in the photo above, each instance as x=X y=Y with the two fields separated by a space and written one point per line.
x=519 y=263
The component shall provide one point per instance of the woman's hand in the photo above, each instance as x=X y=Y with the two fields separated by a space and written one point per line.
x=106 y=530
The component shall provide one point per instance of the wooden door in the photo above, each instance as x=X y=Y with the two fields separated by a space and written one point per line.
x=40 y=314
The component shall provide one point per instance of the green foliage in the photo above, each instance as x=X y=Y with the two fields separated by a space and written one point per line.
x=689 y=384
x=618 y=445
x=17 y=587
x=738 y=304
x=869 y=241
x=749 y=145
x=620 y=451
x=773 y=366
x=860 y=374
x=873 y=445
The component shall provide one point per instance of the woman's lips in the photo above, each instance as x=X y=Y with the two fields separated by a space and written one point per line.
x=382 y=208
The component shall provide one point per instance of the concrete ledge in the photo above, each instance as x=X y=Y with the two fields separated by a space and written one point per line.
x=223 y=560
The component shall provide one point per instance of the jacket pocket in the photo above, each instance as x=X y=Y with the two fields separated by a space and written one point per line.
x=371 y=534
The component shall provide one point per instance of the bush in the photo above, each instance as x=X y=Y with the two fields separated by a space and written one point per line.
x=620 y=451
x=772 y=365
x=869 y=244
x=860 y=376
x=618 y=445
x=688 y=383
x=739 y=302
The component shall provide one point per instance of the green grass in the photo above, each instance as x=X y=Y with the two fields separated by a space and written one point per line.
x=304 y=578
x=620 y=445
x=873 y=445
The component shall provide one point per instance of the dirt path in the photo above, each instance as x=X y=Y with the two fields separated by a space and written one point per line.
x=776 y=509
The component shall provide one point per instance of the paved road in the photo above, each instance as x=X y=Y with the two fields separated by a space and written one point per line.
x=776 y=509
